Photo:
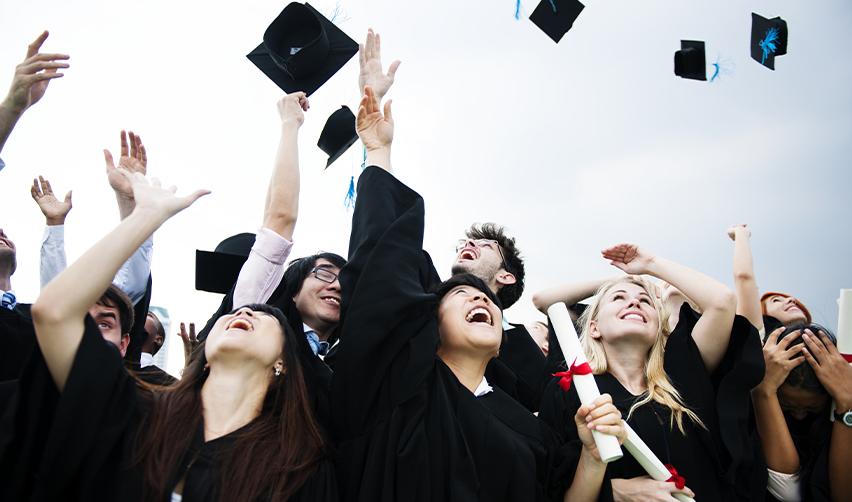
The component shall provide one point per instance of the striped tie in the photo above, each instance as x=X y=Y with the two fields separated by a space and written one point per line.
x=8 y=300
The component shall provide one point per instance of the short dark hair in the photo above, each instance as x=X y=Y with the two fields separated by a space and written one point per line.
x=514 y=264
x=116 y=298
x=803 y=376
x=467 y=280
x=300 y=268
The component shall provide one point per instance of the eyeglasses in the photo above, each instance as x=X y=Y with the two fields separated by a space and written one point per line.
x=484 y=243
x=324 y=274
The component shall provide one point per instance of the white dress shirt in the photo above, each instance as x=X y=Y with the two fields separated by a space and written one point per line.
x=263 y=270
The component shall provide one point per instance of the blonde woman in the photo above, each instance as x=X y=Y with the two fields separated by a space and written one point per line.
x=665 y=383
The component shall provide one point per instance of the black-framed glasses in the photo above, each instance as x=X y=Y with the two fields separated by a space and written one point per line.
x=484 y=243
x=324 y=274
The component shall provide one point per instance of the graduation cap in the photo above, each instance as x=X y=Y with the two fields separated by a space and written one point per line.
x=556 y=17
x=689 y=61
x=217 y=271
x=302 y=49
x=338 y=134
x=768 y=39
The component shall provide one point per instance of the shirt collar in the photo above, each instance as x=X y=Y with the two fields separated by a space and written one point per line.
x=146 y=360
x=506 y=325
x=483 y=388
x=318 y=346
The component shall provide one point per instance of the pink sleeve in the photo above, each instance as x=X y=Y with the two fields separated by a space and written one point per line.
x=263 y=270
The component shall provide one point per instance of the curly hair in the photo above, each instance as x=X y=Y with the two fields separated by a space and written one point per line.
x=513 y=262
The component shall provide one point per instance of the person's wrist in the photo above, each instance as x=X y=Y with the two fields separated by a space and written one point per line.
x=53 y=221
x=765 y=390
x=10 y=110
x=290 y=125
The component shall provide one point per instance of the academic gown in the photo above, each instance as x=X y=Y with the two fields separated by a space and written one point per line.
x=721 y=462
x=521 y=368
x=78 y=445
x=407 y=429
x=17 y=337
x=153 y=375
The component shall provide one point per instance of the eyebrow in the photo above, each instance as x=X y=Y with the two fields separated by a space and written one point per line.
x=107 y=314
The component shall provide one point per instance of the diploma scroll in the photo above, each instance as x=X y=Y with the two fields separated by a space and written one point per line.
x=646 y=458
x=586 y=386
x=844 y=324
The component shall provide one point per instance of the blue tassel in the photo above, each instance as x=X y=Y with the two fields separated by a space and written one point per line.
x=517 y=9
x=364 y=160
x=349 y=201
x=768 y=44
x=715 y=71
x=553 y=5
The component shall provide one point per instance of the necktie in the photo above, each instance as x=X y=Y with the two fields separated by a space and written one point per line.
x=8 y=300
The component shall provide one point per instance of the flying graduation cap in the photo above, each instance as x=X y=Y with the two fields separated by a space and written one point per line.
x=690 y=61
x=768 y=39
x=338 y=134
x=556 y=17
x=302 y=49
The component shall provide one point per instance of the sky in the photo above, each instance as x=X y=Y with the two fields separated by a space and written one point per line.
x=573 y=146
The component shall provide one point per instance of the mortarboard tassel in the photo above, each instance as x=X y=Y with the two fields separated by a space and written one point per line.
x=768 y=44
x=349 y=202
x=553 y=5
x=517 y=9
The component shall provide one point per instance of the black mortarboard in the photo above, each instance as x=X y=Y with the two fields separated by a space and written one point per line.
x=556 y=17
x=689 y=61
x=302 y=49
x=338 y=134
x=217 y=271
x=768 y=39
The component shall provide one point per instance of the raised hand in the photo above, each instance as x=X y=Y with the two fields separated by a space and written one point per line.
x=291 y=108
x=133 y=159
x=629 y=258
x=780 y=358
x=52 y=208
x=370 y=57
x=833 y=371
x=601 y=416
x=190 y=341
x=151 y=197
x=374 y=129
x=33 y=75
x=739 y=230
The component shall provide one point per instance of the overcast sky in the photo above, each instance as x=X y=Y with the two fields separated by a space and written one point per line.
x=574 y=146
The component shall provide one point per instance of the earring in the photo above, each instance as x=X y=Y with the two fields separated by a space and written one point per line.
x=277 y=371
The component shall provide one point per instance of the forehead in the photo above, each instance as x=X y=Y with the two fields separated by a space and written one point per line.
x=99 y=309
x=628 y=287
x=323 y=263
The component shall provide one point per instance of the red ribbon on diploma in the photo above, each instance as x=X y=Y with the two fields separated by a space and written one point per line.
x=848 y=358
x=676 y=478
x=565 y=377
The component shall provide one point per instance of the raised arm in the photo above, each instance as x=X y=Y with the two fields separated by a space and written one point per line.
x=134 y=159
x=372 y=74
x=282 y=197
x=745 y=284
x=717 y=303
x=569 y=294
x=60 y=310
x=29 y=84
x=53 y=259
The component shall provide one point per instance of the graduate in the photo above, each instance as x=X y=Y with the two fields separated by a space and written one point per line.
x=238 y=426
x=414 y=416
x=803 y=405
x=677 y=389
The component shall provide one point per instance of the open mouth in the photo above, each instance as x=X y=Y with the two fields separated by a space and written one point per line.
x=240 y=323
x=331 y=300
x=479 y=315
x=467 y=254
x=634 y=316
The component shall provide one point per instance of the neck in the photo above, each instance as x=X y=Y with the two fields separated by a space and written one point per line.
x=322 y=329
x=626 y=362
x=231 y=397
x=5 y=278
x=469 y=369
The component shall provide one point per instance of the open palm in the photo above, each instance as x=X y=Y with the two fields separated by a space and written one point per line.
x=374 y=128
x=54 y=210
x=370 y=59
x=629 y=258
x=133 y=159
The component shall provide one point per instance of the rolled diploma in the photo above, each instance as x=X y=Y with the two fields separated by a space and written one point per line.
x=844 y=323
x=646 y=458
x=586 y=386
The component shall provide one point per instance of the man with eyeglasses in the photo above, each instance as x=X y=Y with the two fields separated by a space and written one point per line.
x=521 y=367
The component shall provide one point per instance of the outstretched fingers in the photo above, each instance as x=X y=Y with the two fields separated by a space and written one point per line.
x=34 y=47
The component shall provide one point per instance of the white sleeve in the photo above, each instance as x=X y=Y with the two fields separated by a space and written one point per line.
x=784 y=487
x=132 y=277
x=263 y=270
x=53 y=259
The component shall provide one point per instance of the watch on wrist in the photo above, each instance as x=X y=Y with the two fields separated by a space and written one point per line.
x=844 y=417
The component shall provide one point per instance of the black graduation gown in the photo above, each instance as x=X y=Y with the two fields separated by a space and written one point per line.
x=17 y=339
x=153 y=375
x=521 y=368
x=721 y=462
x=407 y=429
x=78 y=445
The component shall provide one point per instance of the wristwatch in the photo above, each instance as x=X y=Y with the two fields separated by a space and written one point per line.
x=845 y=417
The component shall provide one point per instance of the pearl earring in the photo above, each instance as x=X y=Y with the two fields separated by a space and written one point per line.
x=277 y=371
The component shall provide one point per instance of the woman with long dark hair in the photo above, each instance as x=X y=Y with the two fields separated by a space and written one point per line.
x=238 y=426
